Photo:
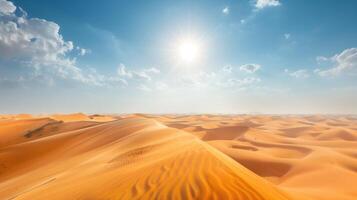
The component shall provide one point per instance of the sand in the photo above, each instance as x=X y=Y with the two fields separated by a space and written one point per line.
x=307 y=156
x=78 y=156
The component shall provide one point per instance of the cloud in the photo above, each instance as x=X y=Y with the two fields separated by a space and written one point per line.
x=33 y=40
x=143 y=75
x=227 y=69
x=250 y=68
x=343 y=63
x=321 y=59
x=152 y=70
x=248 y=80
x=38 y=44
x=137 y=74
x=6 y=7
x=198 y=80
x=287 y=36
x=225 y=10
x=239 y=83
x=146 y=73
x=92 y=77
x=123 y=72
x=260 y=4
x=82 y=51
x=302 y=73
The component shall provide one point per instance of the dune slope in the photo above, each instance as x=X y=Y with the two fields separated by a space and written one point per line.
x=309 y=156
x=133 y=158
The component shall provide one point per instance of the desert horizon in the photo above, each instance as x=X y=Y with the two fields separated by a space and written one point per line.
x=178 y=100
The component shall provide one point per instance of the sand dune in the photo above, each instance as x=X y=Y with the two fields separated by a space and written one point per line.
x=81 y=117
x=80 y=156
x=133 y=158
x=309 y=156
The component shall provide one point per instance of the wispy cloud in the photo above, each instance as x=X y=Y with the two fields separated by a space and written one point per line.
x=146 y=73
x=260 y=4
x=82 y=51
x=301 y=73
x=342 y=63
x=123 y=72
x=250 y=68
x=227 y=69
x=239 y=83
x=287 y=36
x=226 y=10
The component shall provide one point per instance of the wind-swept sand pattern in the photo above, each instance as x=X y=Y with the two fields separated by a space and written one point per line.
x=134 y=158
x=309 y=156
x=178 y=157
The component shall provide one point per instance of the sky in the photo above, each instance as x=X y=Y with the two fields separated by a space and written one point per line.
x=202 y=56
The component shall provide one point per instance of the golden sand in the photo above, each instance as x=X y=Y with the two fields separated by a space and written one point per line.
x=80 y=156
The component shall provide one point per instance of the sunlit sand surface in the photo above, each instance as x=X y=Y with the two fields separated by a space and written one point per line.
x=78 y=156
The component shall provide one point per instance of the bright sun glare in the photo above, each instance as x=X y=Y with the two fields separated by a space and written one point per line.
x=188 y=50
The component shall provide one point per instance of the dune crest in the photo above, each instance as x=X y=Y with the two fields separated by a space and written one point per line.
x=132 y=158
x=309 y=156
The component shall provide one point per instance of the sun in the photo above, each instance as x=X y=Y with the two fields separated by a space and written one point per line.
x=188 y=50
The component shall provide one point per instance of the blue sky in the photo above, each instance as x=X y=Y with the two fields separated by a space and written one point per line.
x=242 y=56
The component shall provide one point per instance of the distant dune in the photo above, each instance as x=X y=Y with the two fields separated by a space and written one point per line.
x=308 y=156
x=78 y=156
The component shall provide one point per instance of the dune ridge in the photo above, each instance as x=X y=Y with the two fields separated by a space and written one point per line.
x=309 y=156
x=131 y=158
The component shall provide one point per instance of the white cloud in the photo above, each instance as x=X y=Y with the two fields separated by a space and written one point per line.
x=146 y=73
x=152 y=70
x=302 y=73
x=6 y=7
x=143 y=75
x=239 y=83
x=33 y=40
x=138 y=74
x=249 y=80
x=123 y=72
x=250 y=68
x=321 y=59
x=260 y=4
x=242 y=21
x=38 y=44
x=287 y=36
x=227 y=69
x=345 y=62
x=199 y=80
x=225 y=10
x=82 y=51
